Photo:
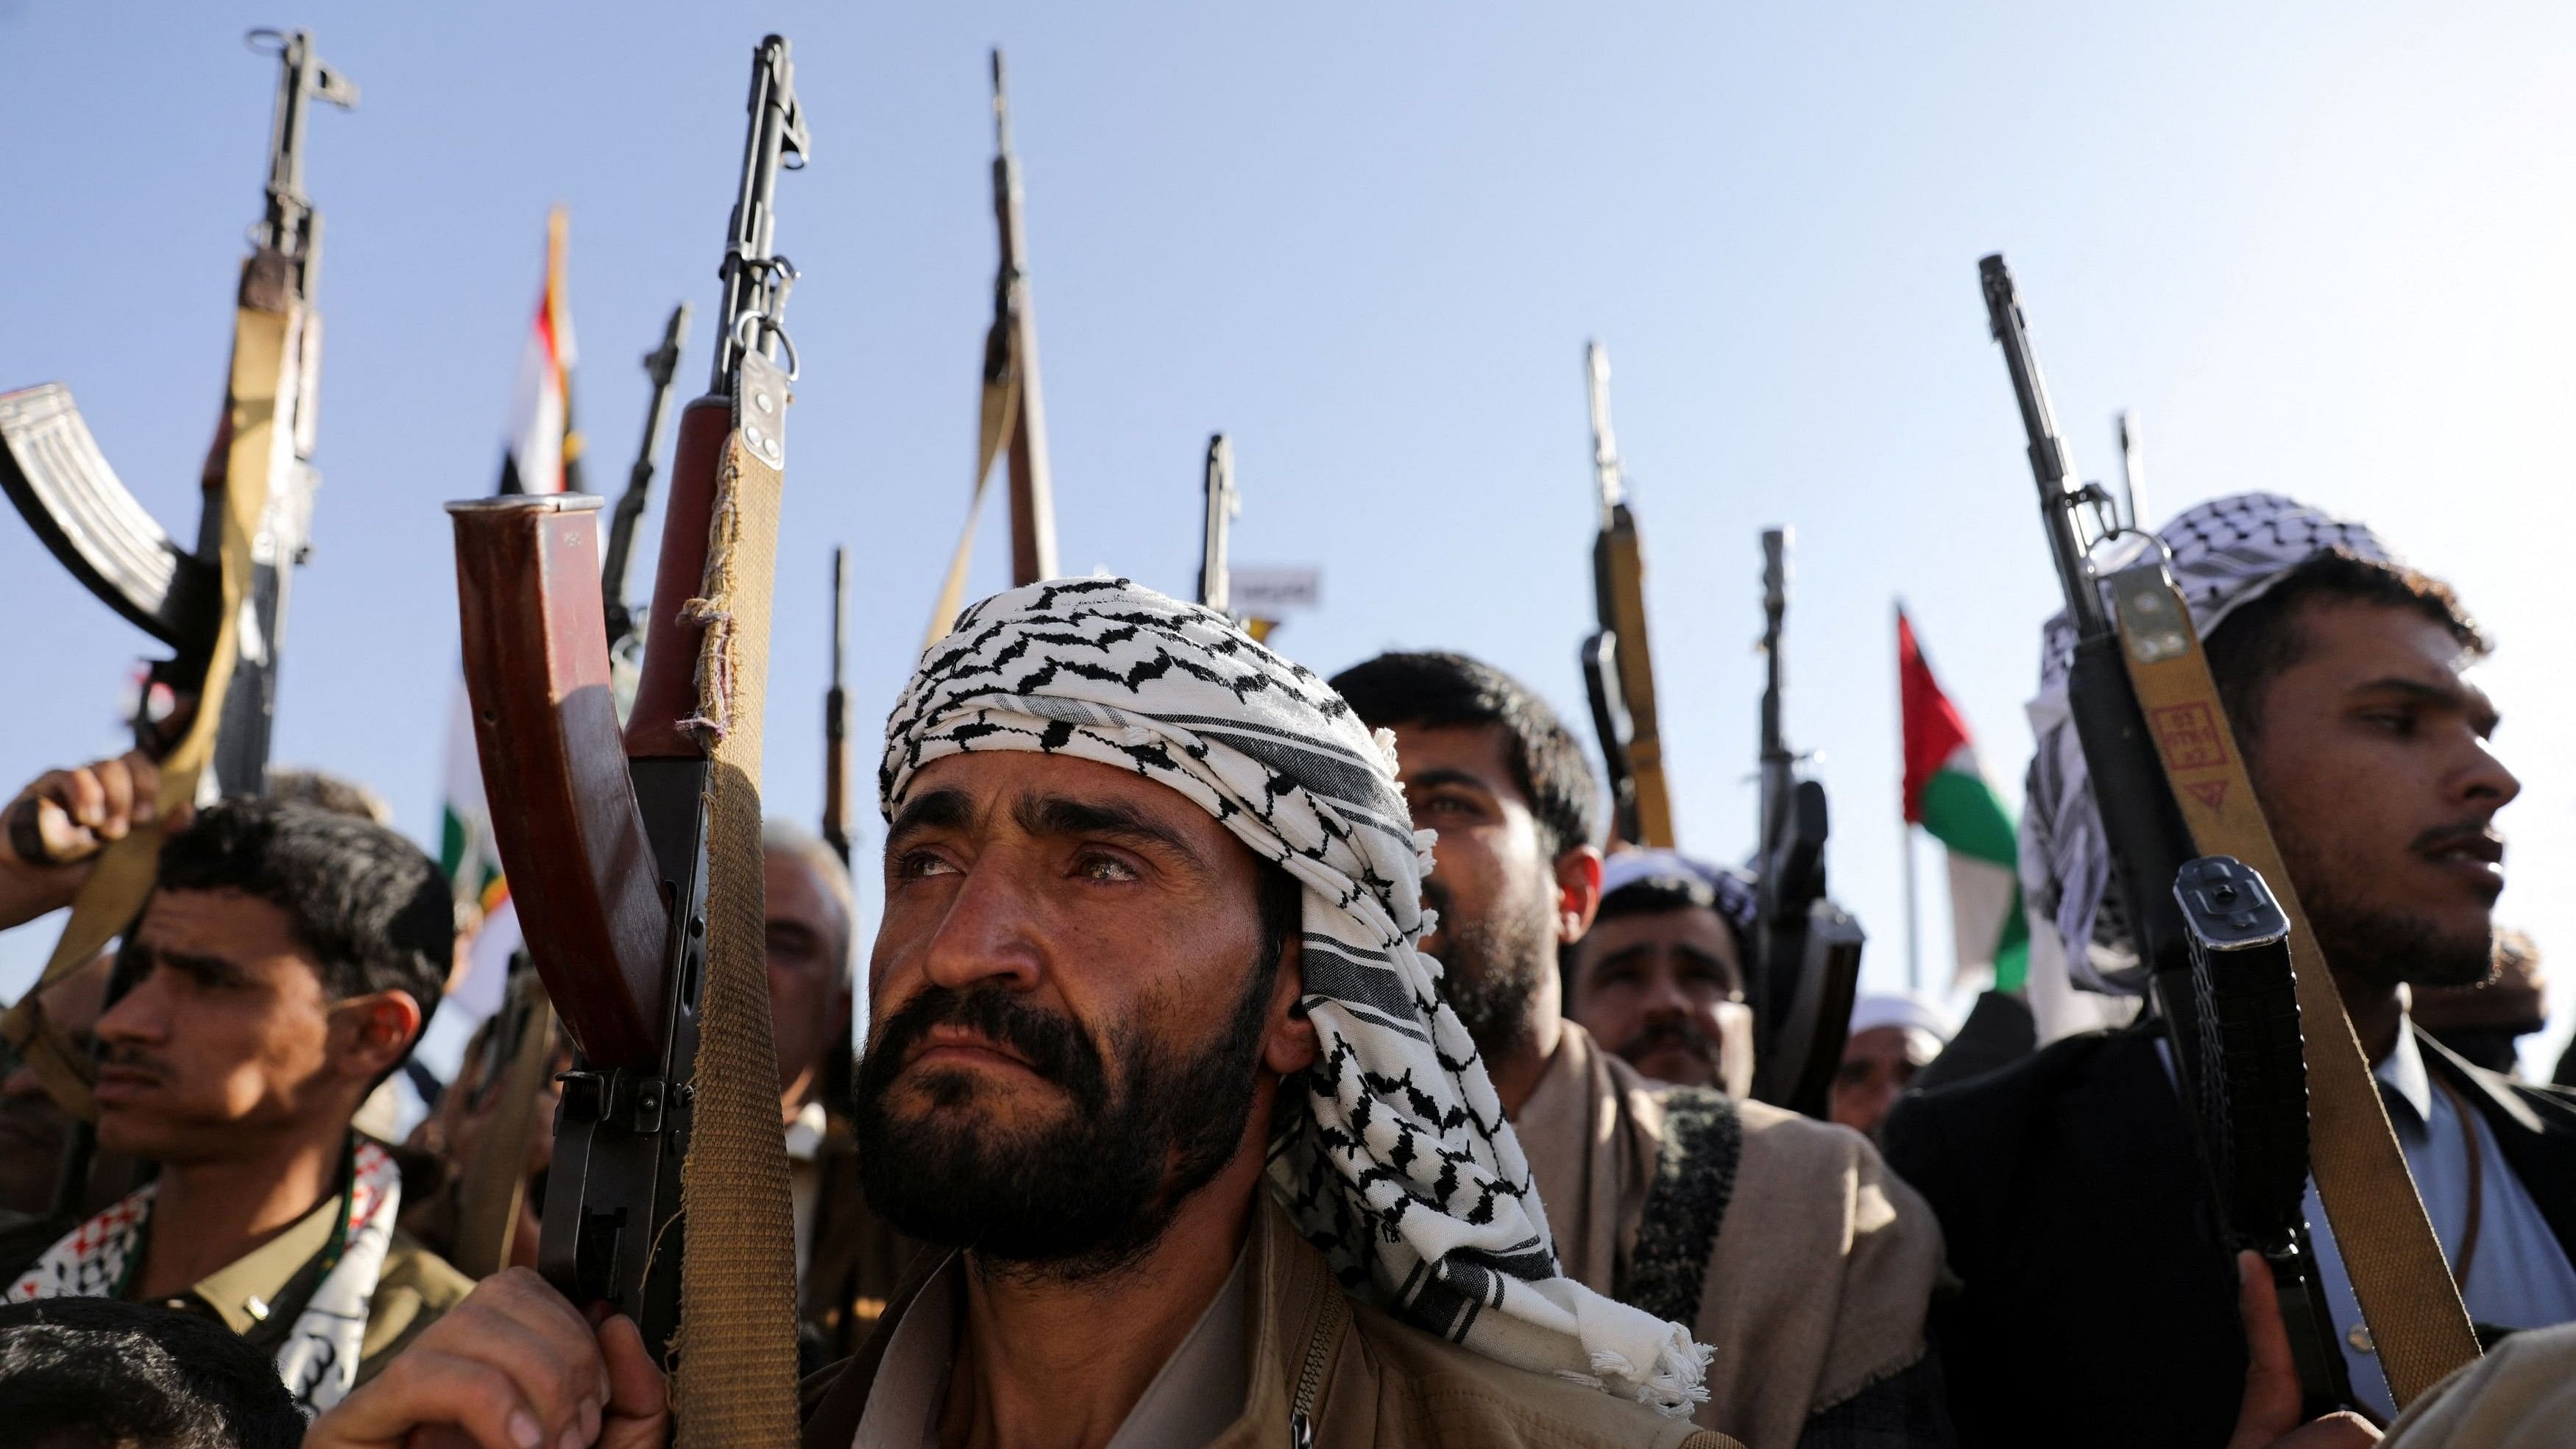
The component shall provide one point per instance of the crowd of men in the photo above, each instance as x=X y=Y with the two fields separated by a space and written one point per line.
x=1256 y=1057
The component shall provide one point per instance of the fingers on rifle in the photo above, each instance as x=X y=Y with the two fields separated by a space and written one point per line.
x=117 y=803
x=635 y=1386
x=425 y=1387
x=2271 y=1405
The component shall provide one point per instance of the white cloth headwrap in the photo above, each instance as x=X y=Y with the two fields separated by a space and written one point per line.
x=1738 y=895
x=1403 y=1169
x=319 y=1359
x=2226 y=553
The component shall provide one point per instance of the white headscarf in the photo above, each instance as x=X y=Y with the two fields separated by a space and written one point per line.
x=1402 y=1169
x=2226 y=553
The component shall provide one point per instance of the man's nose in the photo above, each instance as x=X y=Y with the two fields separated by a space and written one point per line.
x=1664 y=997
x=2484 y=781
x=140 y=1015
x=987 y=933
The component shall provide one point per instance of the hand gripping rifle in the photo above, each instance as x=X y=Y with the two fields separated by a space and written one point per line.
x=2169 y=778
x=1224 y=505
x=221 y=605
x=1618 y=668
x=1806 y=950
x=634 y=859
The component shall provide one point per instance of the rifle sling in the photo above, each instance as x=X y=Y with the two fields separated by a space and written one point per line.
x=263 y=383
x=496 y=1182
x=737 y=1340
x=998 y=420
x=2414 y=1311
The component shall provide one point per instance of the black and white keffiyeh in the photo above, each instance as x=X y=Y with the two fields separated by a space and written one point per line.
x=1403 y=1169
x=319 y=1359
x=2225 y=554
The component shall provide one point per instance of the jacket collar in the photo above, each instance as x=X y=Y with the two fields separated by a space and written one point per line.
x=1290 y=1296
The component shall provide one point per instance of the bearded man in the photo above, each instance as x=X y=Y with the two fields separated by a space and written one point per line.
x=1659 y=979
x=2071 y=1192
x=1155 y=1054
x=1783 y=1242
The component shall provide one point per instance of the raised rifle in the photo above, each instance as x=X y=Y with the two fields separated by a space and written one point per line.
x=634 y=855
x=2169 y=781
x=836 y=718
x=2133 y=468
x=1618 y=668
x=660 y=364
x=1224 y=505
x=1806 y=949
x=221 y=605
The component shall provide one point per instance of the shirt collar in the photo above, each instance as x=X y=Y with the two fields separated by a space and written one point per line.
x=2403 y=1072
x=244 y=1292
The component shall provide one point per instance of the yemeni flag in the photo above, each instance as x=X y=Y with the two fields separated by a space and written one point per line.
x=1946 y=792
x=540 y=453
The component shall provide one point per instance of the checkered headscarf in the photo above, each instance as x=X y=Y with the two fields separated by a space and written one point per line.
x=1402 y=1168
x=2226 y=553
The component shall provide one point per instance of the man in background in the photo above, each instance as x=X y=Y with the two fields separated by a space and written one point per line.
x=1892 y=1037
x=1659 y=979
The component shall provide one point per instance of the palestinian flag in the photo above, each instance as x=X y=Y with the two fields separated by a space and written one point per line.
x=1946 y=792
x=540 y=453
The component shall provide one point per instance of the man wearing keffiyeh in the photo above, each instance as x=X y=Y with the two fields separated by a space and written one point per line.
x=1154 y=1052
x=2067 y=1184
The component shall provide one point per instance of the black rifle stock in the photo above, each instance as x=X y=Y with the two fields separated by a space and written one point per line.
x=1805 y=963
x=2150 y=844
x=659 y=366
x=603 y=830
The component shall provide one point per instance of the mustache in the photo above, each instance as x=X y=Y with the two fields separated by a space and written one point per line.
x=1683 y=1033
x=1055 y=1047
x=133 y=1059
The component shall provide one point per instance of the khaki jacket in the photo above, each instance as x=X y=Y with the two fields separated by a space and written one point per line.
x=1824 y=1262
x=1359 y=1377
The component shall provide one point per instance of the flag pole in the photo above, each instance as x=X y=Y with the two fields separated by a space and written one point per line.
x=1905 y=831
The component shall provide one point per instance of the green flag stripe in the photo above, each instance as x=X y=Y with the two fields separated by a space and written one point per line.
x=1962 y=812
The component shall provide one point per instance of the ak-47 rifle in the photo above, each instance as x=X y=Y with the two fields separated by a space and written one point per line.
x=1806 y=950
x=54 y=472
x=1618 y=669
x=220 y=606
x=624 y=629
x=1224 y=504
x=2222 y=942
x=634 y=856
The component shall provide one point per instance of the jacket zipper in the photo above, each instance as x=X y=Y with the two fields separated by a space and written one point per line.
x=1310 y=1379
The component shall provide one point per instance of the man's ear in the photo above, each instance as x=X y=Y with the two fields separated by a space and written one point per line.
x=1578 y=892
x=1290 y=1044
x=387 y=1023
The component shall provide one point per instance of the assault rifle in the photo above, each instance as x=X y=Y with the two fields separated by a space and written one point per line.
x=606 y=834
x=624 y=629
x=1806 y=950
x=53 y=470
x=1618 y=669
x=1224 y=504
x=2206 y=931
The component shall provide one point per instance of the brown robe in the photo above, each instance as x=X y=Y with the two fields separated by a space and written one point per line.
x=1824 y=1262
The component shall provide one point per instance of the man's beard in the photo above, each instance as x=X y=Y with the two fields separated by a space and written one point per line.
x=1492 y=967
x=2381 y=948
x=1074 y=1199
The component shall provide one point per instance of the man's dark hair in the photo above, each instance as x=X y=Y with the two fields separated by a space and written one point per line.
x=2262 y=639
x=98 y=1373
x=1438 y=690
x=373 y=911
x=1656 y=894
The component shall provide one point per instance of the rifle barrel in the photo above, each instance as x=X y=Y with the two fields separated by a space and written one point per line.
x=1223 y=505
x=659 y=366
x=1605 y=447
x=2048 y=455
x=836 y=719
x=755 y=276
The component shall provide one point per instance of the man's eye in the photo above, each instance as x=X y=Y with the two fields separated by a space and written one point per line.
x=917 y=864
x=2395 y=721
x=1106 y=868
x=1450 y=804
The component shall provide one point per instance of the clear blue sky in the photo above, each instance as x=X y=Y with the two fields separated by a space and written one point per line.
x=2323 y=248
